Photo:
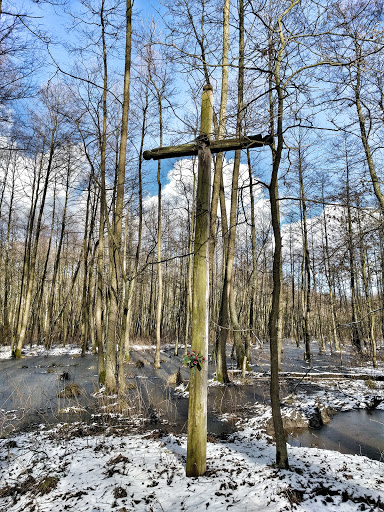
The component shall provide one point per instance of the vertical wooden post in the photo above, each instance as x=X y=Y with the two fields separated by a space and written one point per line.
x=197 y=411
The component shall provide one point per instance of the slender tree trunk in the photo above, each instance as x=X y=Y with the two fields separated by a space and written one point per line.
x=100 y=250
x=252 y=305
x=363 y=132
x=355 y=331
x=39 y=307
x=27 y=249
x=368 y=300
x=159 y=305
x=274 y=324
x=7 y=283
x=328 y=273
x=32 y=265
x=218 y=175
x=190 y=265
x=306 y=266
x=132 y=284
x=56 y=265
x=115 y=233
x=88 y=228
x=228 y=308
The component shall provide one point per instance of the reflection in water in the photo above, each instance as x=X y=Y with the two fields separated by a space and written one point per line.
x=358 y=432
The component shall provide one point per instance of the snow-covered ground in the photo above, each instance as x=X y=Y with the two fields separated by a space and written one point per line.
x=101 y=468
x=58 y=471
x=40 y=350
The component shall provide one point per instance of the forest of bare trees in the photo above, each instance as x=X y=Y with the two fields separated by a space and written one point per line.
x=96 y=243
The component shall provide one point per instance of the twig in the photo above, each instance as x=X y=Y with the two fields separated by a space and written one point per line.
x=361 y=319
x=230 y=328
x=302 y=378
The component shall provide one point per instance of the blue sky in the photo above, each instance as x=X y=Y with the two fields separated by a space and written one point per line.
x=54 y=21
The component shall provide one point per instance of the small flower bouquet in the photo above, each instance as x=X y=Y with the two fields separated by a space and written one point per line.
x=194 y=360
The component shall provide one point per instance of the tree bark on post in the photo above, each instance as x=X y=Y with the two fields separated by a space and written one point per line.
x=197 y=411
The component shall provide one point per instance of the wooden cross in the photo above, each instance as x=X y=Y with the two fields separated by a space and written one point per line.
x=216 y=146
x=203 y=147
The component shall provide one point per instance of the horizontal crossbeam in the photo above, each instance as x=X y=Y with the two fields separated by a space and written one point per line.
x=216 y=146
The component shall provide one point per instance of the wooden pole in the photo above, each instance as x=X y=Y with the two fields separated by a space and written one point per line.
x=197 y=411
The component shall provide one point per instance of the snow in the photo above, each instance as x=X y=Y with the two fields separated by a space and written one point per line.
x=40 y=350
x=72 y=350
x=107 y=465
x=100 y=472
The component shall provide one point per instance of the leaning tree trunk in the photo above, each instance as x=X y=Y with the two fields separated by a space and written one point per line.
x=56 y=265
x=364 y=135
x=84 y=305
x=7 y=280
x=39 y=299
x=27 y=250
